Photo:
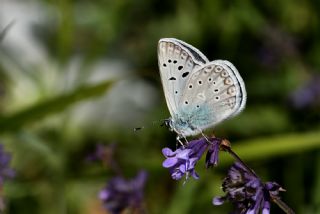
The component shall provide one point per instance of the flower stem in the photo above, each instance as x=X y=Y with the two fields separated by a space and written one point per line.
x=227 y=148
x=282 y=205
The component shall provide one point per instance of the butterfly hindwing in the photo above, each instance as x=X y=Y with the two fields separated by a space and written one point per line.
x=242 y=94
x=213 y=93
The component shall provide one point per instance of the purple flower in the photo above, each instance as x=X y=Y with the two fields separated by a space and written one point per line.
x=247 y=192
x=121 y=194
x=183 y=160
x=213 y=152
x=5 y=171
x=308 y=94
x=101 y=153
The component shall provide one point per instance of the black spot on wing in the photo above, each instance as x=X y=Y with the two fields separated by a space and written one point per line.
x=172 y=78
x=185 y=74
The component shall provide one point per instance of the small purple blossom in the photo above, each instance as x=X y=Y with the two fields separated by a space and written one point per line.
x=307 y=95
x=101 y=153
x=183 y=160
x=212 y=156
x=247 y=192
x=5 y=171
x=121 y=194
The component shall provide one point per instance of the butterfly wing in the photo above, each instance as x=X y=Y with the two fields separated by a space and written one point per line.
x=213 y=93
x=177 y=60
x=241 y=97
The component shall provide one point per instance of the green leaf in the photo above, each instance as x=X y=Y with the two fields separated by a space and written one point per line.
x=264 y=148
x=50 y=106
x=182 y=200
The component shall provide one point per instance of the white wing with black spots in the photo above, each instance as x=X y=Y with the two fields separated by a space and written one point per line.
x=177 y=60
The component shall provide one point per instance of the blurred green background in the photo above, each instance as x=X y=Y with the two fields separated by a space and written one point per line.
x=77 y=73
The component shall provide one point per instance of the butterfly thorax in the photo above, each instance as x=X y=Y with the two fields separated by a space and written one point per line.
x=180 y=126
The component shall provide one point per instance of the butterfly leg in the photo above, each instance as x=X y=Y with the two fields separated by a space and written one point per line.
x=179 y=137
x=205 y=137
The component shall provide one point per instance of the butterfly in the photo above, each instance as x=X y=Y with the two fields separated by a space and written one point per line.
x=199 y=93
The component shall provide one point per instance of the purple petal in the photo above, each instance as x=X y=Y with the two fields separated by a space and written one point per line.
x=184 y=154
x=140 y=179
x=266 y=207
x=194 y=174
x=176 y=175
x=104 y=194
x=182 y=168
x=218 y=200
x=192 y=162
x=252 y=211
x=169 y=162
x=167 y=152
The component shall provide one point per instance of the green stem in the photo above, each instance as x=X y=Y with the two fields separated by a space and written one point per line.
x=237 y=158
x=282 y=205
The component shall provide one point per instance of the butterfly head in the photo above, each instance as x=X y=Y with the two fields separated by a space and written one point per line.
x=168 y=123
x=182 y=127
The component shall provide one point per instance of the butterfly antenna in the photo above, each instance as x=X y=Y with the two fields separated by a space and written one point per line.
x=138 y=128
x=163 y=122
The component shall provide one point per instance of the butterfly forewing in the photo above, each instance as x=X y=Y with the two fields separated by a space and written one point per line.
x=177 y=61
